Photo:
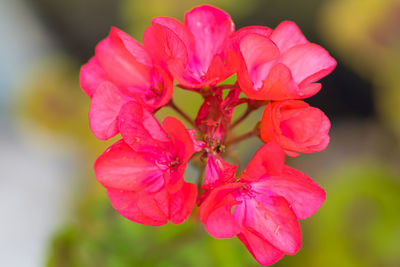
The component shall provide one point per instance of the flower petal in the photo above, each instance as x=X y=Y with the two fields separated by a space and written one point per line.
x=182 y=203
x=262 y=250
x=211 y=28
x=139 y=207
x=91 y=76
x=303 y=194
x=121 y=66
x=141 y=130
x=268 y=160
x=308 y=61
x=286 y=35
x=120 y=167
x=104 y=109
x=272 y=218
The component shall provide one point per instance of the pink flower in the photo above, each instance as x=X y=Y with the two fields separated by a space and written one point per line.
x=267 y=203
x=147 y=166
x=121 y=71
x=193 y=52
x=296 y=126
x=279 y=64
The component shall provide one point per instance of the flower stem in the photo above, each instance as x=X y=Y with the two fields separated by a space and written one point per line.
x=241 y=118
x=241 y=138
x=181 y=112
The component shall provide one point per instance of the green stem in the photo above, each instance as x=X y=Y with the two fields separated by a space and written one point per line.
x=181 y=112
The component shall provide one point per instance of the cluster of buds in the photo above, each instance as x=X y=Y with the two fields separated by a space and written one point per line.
x=144 y=171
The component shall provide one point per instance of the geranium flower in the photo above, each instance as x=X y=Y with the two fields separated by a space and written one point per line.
x=296 y=126
x=263 y=208
x=121 y=71
x=193 y=52
x=279 y=64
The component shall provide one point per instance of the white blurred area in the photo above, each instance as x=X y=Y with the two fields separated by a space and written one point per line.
x=35 y=192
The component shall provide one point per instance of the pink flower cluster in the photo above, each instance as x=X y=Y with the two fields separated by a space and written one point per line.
x=144 y=171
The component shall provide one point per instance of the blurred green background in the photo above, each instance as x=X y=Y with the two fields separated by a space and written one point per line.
x=54 y=213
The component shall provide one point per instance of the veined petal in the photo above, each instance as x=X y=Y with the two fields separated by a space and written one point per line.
x=141 y=130
x=130 y=205
x=215 y=211
x=268 y=160
x=218 y=172
x=104 y=109
x=308 y=61
x=164 y=44
x=262 y=250
x=182 y=203
x=211 y=28
x=91 y=76
x=286 y=35
x=272 y=218
x=121 y=66
x=303 y=194
x=120 y=167
x=180 y=137
x=150 y=208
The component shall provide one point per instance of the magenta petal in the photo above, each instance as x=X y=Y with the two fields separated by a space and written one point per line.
x=164 y=44
x=121 y=66
x=130 y=205
x=268 y=160
x=140 y=129
x=286 y=35
x=262 y=250
x=274 y=220
x=303 y=194
x=91 y=76
x=120 y=167
x=104 y=109
x=182 y=203
x=257 y=50
x=308 y=60
x=221 y=224
x=218 y=172
x=180 y=137
x=211 y=28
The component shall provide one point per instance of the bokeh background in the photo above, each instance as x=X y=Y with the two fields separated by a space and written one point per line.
x=54 y=213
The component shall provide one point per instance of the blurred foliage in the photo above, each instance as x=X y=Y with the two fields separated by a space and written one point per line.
x=366 y=36
x=101 y=237
x=359 y=224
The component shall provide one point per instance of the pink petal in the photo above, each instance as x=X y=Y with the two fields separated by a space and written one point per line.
x=91 y=76
x=180 y=137
x=215 y=211
x=141 y=130
x=164 y=44
x=182 y=203
x=211 y=28
x=260 y=30
x=104 y=109
x=198 y=145
x=120 y=64
x=262 y=250
x=279 y=84
x=218 y=172
x=120 y=167
x=286 y=35
x=272 y=218
x=139 y=207
x=134 y=47
x=268 y=160
x=308 y=61
x=303 y=194
x=257 y=50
